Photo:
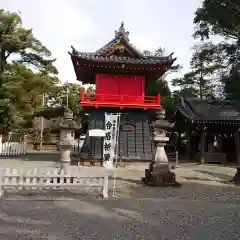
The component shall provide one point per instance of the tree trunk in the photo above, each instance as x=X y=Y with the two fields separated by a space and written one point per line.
x=201 y=85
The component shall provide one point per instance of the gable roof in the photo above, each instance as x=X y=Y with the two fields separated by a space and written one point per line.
x=210 y=111
x=121 y=36
x=121 y=41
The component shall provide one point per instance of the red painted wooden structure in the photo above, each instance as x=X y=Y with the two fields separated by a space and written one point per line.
x=120 y=85
x=121 y=74
x=122 y=101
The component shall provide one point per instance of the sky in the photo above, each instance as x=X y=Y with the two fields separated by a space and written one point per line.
x=89 y=24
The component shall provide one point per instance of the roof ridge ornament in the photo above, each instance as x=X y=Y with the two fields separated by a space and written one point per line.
x=122 y=32
x=74 y=51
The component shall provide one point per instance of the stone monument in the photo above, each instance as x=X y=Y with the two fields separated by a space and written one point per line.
x=159 y=173
x=67 y=142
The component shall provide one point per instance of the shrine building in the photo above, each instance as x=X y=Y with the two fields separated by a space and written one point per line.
x=212 y=129
x=121 y=73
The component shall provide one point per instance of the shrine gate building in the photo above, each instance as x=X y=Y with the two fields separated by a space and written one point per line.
x=121 y=73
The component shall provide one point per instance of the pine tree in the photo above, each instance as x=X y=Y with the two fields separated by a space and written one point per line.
x=222 y=18
x=26 y=71
x=201 y=80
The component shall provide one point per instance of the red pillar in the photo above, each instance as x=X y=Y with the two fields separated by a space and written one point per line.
x=158 y=99
x=82 y=95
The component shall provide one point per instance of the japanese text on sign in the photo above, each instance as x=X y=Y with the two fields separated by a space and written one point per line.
x=110 y=140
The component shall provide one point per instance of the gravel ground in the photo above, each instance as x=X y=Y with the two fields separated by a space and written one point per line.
x=192 y=211
x=202 y=208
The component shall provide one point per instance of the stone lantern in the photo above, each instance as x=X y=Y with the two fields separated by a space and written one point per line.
x=159 y=173
x=67 y=141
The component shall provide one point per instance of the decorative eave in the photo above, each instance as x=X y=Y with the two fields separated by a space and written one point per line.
x=84 y=56
x=122 y=44
x=121 y=38
x=222 y=116
x=86 y=70
x=119 y=56
x=194 y=120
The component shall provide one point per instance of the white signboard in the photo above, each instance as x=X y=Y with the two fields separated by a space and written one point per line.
x=110 y=140
x=96 y=133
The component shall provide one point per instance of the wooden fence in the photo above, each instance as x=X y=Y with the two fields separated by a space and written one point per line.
x=37 y=180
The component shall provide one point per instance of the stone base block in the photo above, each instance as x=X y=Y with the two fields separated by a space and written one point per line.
x=159 y=169
x=236 y=178
x=159 y=177
x=147 y=173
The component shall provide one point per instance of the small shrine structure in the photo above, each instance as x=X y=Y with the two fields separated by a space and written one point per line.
x=212 y=129
x=121 y=73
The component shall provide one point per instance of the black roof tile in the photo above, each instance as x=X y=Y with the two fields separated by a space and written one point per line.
x=209 y=110
x=122 y=59
x=121 y=35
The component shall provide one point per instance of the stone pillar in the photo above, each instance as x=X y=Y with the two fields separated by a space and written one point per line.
x=160 y=139
x=67 y=142
x=159 y=173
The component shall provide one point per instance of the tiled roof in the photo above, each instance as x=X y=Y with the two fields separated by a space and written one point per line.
x=209 y=110
x=122 y=59
x=120 y=35
x=136 y=56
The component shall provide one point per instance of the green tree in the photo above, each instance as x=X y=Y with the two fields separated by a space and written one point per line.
x=201 y=80
x=231 y=85
x=69 y=95
x=218 y=17
x=26 y=72
x=161 y=85
x=222 y=18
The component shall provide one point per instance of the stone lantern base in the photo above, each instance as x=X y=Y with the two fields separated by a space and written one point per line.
x=159 y=175
x=236 y=178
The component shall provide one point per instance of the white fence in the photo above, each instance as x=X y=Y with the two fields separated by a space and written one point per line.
x=13 y=148
x=36 y=180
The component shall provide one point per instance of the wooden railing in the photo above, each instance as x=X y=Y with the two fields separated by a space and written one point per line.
x=122 y=101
